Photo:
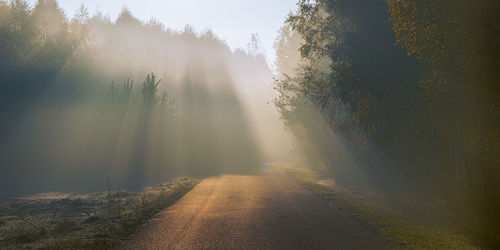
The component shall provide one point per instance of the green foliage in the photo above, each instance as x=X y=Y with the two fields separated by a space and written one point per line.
x=429 y=109
x=36 y=44
x=354 y=76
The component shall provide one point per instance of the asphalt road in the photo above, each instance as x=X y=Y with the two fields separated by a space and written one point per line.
x=266 y=211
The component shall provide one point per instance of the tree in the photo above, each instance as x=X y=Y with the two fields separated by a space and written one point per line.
x=16 y=34
x=364 y=74
x=149 y=88
x=456 y=40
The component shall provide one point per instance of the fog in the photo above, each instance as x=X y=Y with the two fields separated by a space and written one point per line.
x=384 y=108
x=89 y=100
x=136 y=104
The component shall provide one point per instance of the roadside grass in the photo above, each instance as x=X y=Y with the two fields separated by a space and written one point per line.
x=394 y=217
x=85 y=221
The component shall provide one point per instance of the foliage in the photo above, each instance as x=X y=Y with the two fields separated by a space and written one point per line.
x=428 y=106
x=354 y=75
x=39 y=38
x=455 y=38
x=64 y=127
x=297 y=111
x=149 y=88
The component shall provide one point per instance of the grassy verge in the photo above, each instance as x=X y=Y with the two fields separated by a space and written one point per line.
x=392 y=218
x=88 y=221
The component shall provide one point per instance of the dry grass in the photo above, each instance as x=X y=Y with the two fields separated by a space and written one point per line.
x=394 y=217
x=88 y=221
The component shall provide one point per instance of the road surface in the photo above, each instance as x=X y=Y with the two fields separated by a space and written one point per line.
x=266 y=211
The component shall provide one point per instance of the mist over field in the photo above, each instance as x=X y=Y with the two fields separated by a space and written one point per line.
x=386 y=109
x=130 y=101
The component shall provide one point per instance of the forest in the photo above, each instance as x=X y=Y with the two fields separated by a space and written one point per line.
x=397 y=96
x=87 y=99
x=411 y=86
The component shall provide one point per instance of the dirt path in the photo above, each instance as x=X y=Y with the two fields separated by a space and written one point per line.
x=267 y=211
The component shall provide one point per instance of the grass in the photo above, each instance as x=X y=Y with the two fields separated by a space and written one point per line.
x=394 y=217
x=85 y=221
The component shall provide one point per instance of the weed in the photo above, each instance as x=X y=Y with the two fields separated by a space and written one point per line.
x=390 y=216
x=98 y=221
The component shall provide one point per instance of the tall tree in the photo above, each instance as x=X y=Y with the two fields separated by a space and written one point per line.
x=457 y=40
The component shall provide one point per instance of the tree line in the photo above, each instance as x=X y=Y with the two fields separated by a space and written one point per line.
x=411 y=85
x=79 y=103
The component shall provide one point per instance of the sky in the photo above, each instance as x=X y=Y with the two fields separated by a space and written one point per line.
x=232 y=20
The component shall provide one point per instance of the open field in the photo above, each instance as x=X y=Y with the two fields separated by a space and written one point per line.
x=90 y=221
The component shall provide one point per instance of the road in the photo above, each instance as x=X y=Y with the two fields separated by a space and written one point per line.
x=266 y=211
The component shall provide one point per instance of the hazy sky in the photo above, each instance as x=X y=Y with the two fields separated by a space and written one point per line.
x=232 y=20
